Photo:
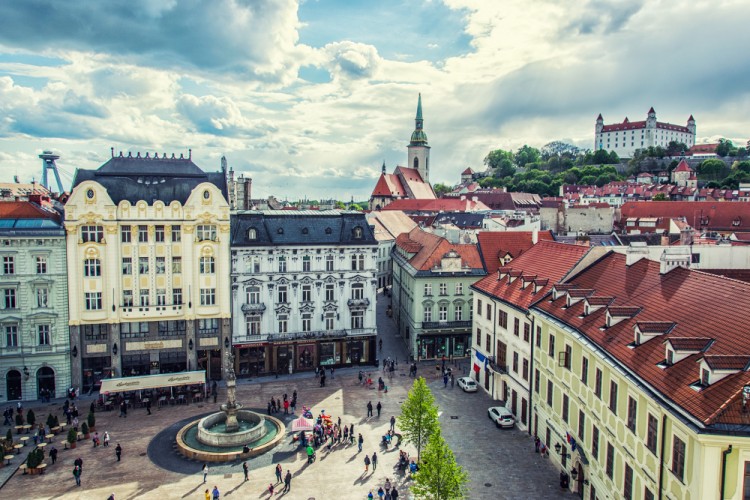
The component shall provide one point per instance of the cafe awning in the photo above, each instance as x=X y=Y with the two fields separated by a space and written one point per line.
x=124 y=384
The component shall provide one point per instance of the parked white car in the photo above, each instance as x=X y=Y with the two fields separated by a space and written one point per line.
x=467 y=384
x=501 y=416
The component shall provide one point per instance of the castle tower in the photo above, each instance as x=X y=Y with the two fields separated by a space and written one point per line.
x=691 y=126
x=419 y=151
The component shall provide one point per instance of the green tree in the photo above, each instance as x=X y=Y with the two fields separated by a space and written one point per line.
x=30 y=417
x=742 y=166
x=675 y=148
x=501 y=162
x=600 y=157
x=725 y=145
x=340 y=205
x=660 y=197
x=439 y=476
x=711 y=169
x=526 y=154
x=419 y=416
x=441 y=189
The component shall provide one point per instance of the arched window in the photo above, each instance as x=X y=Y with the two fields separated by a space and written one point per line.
x=252 y=234
x=416 y=163
x=357 y=233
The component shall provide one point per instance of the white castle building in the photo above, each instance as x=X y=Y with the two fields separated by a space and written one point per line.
x=626 y=137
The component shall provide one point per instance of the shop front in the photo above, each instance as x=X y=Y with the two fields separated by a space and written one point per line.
x=94 y=369
x=306 y=356
x=250 y=360
x=450 y=345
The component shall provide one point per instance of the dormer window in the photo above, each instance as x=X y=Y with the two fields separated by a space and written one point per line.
x=252 y=234
x=357 y=233
x=670 y=357
x=705 y=377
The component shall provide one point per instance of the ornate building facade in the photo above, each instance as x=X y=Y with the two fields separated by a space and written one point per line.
x=303 y=290
x=148 y=267
x=627 y=137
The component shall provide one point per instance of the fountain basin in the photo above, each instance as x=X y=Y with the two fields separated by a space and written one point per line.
x=211 y=429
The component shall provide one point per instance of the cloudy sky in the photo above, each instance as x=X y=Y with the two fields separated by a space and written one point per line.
x=309 y=97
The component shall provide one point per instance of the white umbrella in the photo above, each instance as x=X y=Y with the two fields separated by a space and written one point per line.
x=302 y=424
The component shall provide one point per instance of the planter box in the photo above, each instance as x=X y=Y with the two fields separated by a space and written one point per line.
x=72 y=445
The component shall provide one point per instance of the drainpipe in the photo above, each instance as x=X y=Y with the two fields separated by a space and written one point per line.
x=532 y=340
x=661 y=453
x=494 y=347
x=724 y=455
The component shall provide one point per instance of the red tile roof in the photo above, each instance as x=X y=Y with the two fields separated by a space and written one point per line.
x=25 y=210
x=495 y=245
x=467 y=171
x=430 y=250
x=683 y=167
x=548 y=260
x=727 y=362
x=702 y=148
x=655 y=326
x=697 y=302
x=388 y=185
x=437 y=205
x=713 y=216
x=689 y=343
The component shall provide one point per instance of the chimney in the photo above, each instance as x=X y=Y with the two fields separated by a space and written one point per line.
x=635 y=252
x=535 y=236
x=664 y=240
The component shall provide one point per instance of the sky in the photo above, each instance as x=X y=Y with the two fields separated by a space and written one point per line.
x=310 y=97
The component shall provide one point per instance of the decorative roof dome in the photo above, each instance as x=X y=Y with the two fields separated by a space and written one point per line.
x=418 y=137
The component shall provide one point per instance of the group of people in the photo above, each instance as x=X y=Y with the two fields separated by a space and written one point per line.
x=71 y=413
x=276 y=405
x=385 y=492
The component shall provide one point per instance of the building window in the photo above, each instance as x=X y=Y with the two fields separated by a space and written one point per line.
x=581 y=426
x=550 y=393
x=176 y=234
x=42 y=297
x=92 y=234
x=159 y=234
x=143 y=265
x=678 y=458
x=306 y=322
x=479 y=306
x=613 y=396
x=205 y=232
x=160 y=265
x=306 y=264
x=443 y=288
x=428 y=288
x=161 y=297
x=11 y=336
x=94 y=332
x=253 y=295
x=127 y=298
x=442 y=313
x=10 y=298
x=92 y=268
x=632 y=413
x=539 y=337
x=329 y=262
x=177 y=296
x=134 y=330
x=208 y=326
x=44 y=337
x=489 y=312
x=516 y=327
x=585 y=370
x=282 y=294
x=93 y=301
x=458 y=313
x=253 y=324
x=142 y=234
x=208 y=296
x=358 y=291
x=41 y=265
x=502 y=319
x=207 y=265
x=610 y=467
x=595 y=442
x=358 y=320
x=536 y=381
x=125 y=234
x=330 y=321
x=652 y=433
x=526 y=332
x=144 y=298
x=525 y=372
x=283 y=323
x=282 y=264
x=172 y=328
x=459 y=289
x=427 y=313
x=551 y=346
x=127 y=266
x=598 y=384
x=358 y=262
x=565 y=407
x=176 y=265
x=568 y=357
x=329 y=293
x=627 y=488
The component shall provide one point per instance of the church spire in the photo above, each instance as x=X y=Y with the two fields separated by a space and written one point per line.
x=419 y=112
x=418 y=137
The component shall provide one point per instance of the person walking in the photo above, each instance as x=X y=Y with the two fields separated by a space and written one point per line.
x=369 y=408
x=445 y=380
x=215 y=493
x=286 y=407
x=387 y=487
x=351 y=434
x=379 y=407
x=380 y=493
x=106 y=439
x=278 y=473
x=208 y=494
x=288 y=481
x=332 y=374
x=148 y=406
x=118 y=451
x=360 y=440
x=367 y=463
x=79 y=463
x=77 y=475
x=53 y=454
x=394 y=493
x=245 y=469
x=393 y=423
x=214 y=390
x=453 y=380
x=205 y=472
x=374 y=461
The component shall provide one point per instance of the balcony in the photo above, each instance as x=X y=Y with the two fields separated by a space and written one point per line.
x=498 y=368
x=253 y=308
x=442 y=325
x=358 y=303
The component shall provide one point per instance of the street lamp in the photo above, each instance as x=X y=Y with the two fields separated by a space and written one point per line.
x=226 y=342
x=75 y=351
x=114 y=349
x=558 y=449
x=190 y=344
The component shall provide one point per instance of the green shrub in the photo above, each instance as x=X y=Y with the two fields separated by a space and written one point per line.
x=35 y=458
x=92 y=419
x=19 y=419
x=31 y=417
x=85 y=428
x=50 y=421
x=72 y=435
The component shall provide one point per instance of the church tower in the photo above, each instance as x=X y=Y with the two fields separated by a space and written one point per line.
x=419 y=151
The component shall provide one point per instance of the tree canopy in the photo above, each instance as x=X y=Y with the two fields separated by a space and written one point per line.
x=439 y=476
x=441 y=189
x=419 y=416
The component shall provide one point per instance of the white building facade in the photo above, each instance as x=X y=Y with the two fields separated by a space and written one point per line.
x=303 y=290
x=627 y=137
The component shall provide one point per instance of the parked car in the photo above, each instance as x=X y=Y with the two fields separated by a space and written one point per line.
x=501 y=416
x=467 y=384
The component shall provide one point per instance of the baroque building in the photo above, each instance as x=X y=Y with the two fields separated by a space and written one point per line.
x=626 y=137
x=34 y=308
x=303 y=290
x=148 y=267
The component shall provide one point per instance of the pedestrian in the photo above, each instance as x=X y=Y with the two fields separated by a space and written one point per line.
x=106 y=439
x=360 y=376
x=288 y=481
x=208 y=494
x=453 y=380
x=351 y=434
x=53 y=454
x=214 y=390
x=77 y=475
x=269 y=408
x=387 y=488
x=367 y=463
x=278 y=473
x=369 y=408
x=286 y=406
x=393 y=423
x=379 y=407
x=394 y=493
x=205 y=472
x=374 y=461
x=360 y=440
x=95 y=439
x=380 y=491
x=245 y=469
x=332 y=375
x=323 y=378
x=148 y=406
x=445 y=381
x=381 y=344
x=536 y=444
x=215 y=493
x=79 y=463
x=370 y=496
x=118 y=451
x=270 y=489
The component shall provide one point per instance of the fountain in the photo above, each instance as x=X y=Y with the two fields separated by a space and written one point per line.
x=221 y=436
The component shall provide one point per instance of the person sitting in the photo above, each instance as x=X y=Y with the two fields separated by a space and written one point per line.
x=413 y=467
x=245 y=449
